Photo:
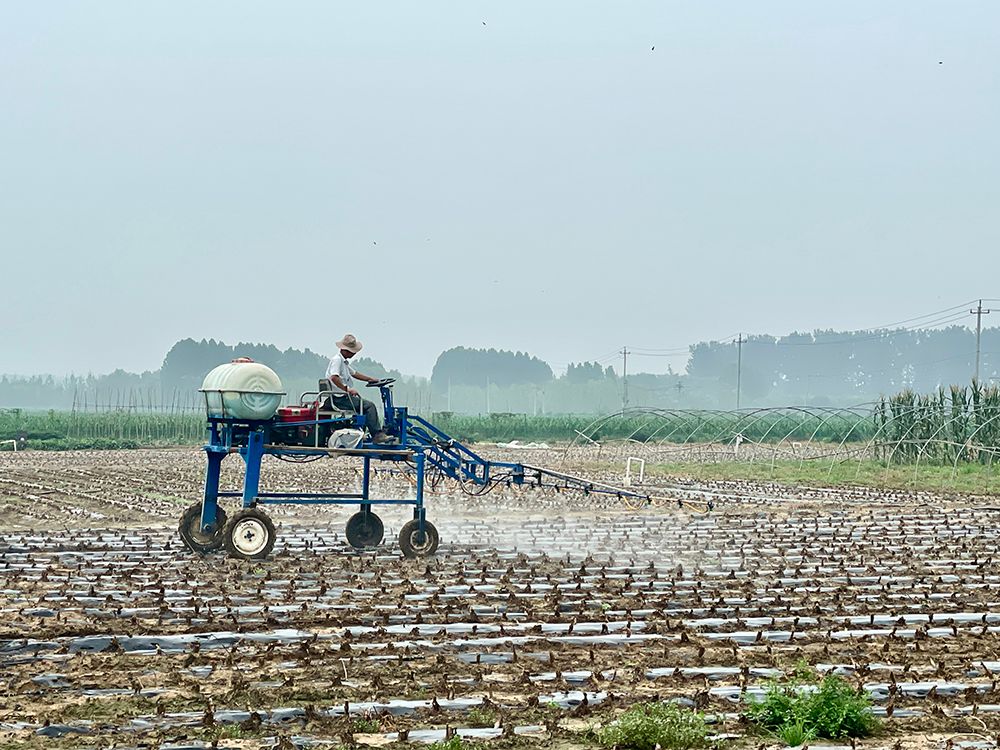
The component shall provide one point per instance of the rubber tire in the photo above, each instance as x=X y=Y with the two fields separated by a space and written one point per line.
x=410 y=548
x=191 y=534
x=231 y=530
x=364 y=530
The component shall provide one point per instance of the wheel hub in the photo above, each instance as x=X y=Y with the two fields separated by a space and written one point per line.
x=249 y=536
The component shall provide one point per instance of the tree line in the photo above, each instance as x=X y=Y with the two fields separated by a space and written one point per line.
x=822 y=368
x=846 y=366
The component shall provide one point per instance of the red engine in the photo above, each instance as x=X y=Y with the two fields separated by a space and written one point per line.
x=284 y=431
x=303 y=413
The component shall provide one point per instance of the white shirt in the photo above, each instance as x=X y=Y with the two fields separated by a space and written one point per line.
x=340 y=367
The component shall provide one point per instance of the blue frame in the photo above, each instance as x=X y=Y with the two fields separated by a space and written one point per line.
x=225 y=437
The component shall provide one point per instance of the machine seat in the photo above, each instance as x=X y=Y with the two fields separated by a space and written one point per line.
x=327 y=410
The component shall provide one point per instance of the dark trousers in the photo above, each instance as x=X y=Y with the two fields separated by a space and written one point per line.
x=357 y=404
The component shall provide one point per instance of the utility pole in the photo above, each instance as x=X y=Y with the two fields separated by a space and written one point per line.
x=979 y=312
x=739 y=369
x=624 y=379
x=488 y=411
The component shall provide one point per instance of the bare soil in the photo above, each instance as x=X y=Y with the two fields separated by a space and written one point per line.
x=542 y=615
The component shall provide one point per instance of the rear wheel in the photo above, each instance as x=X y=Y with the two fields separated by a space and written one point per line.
x=249 y=535
x=364 y=530
x=415 y=544
x=192 y=535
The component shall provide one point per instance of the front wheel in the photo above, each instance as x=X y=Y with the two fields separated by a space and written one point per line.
x=414 y=544
x=249 y=535
x=192 y=535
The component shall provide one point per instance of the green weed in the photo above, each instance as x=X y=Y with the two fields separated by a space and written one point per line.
x=227 y=732
x=366 y=726
x=795 y=734
x=832 y=711
x=650 y=725
x=452 y=743
x=481 y=717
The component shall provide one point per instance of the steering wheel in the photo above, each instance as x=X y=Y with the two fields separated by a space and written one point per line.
x=381 y=383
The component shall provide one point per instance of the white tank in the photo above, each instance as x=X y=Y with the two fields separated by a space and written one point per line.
x=242 y=389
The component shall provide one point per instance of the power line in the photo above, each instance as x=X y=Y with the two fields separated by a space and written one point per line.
x=875 y=335
x=646 y=354
x=928 y=315
x=927 y=321
x=839 y=376
x=920 y=322
x=652 y=351
x=893 y=370
x=662 y=352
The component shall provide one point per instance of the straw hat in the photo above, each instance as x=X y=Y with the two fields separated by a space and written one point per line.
x=350 y=343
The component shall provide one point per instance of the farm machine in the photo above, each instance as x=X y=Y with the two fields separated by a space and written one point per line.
x=244 y=419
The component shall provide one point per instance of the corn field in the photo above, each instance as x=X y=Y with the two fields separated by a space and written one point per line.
x=102 y=428
x=959 y=425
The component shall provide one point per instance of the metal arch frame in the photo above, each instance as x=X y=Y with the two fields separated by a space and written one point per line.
x=902 y=439
x=994 y=452
x=923 y=444
x=684 y=426
x=859 y=418
x=867 y=433
x=690 y=422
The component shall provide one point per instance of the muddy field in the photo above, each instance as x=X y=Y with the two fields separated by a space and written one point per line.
x=542 y=615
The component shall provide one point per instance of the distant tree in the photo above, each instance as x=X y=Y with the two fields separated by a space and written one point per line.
x=584 y=372
x=188 y=361
x=461 y=366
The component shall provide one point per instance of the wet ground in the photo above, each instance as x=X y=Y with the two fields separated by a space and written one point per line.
x=542 y=614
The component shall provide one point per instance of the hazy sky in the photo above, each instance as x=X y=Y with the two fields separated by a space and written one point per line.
x=535 y=175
